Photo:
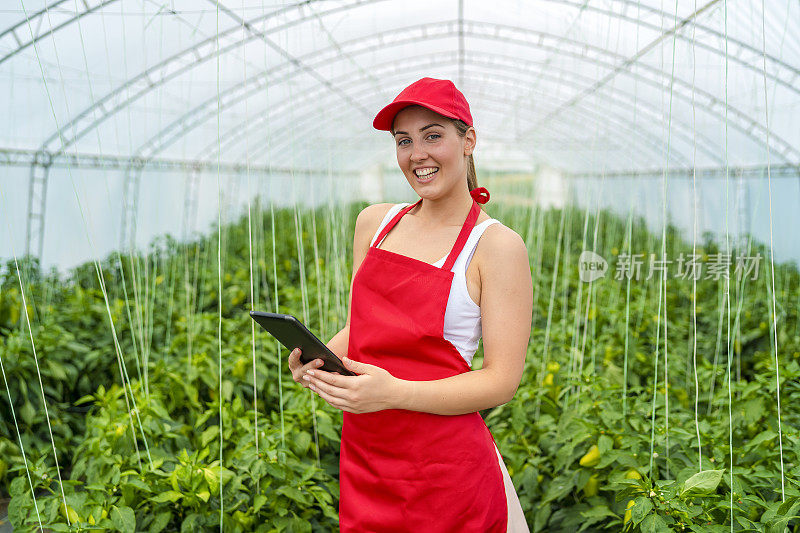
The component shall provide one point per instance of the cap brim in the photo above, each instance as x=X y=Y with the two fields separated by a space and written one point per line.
x=383 y=120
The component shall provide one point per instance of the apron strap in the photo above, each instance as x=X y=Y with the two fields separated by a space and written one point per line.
x=394 y=221
x=466 y=229
x=461 y=240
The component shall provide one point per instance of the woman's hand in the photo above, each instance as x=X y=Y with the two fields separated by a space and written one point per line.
x=374 y=389
x=299 y=369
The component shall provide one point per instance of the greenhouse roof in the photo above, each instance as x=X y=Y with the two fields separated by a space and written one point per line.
x=581 y=86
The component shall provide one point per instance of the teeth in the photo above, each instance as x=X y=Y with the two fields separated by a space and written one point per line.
x=426 y=171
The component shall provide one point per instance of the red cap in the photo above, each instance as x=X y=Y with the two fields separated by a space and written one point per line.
x=437 y=95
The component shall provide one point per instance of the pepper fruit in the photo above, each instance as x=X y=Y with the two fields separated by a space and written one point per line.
x=627 y=517
x=592 y=457
x=592 y=486
x=70 y=514
x=633 y=474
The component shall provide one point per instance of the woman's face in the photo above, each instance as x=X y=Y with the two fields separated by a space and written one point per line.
x=430 y=152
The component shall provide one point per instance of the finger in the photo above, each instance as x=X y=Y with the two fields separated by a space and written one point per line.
x=296 y=365
x=332 y=400
x=327 y=377
x=332 y=390
x=311 y=365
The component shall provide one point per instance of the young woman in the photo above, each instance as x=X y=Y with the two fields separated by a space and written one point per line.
x=415 y=453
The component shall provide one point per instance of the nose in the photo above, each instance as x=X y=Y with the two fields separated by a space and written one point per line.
x=418 y=154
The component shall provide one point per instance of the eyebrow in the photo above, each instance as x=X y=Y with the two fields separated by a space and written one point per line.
x=421 y=129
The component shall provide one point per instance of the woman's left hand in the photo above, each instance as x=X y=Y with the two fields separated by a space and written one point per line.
x=373 y=389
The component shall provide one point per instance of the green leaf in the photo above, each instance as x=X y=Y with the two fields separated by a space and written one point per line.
x=259 y=502
x=605 y=444
x=209 y=434
x=559 y=487
x=294 y=494
x=17 y=507
x=705 y=481
x=191 y=523
x=654 y=524
x=136 y=483
x=167 y=496
x=541 y=518
x=302 y=441
x=27 y=412
x=123 y=518
x=640 y=508
x=19 y=486
x=160 y=522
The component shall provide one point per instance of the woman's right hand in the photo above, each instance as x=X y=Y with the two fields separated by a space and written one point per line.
x=299 y=369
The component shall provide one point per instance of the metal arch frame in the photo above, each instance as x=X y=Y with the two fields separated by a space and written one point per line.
x=198 y=58
x=582 y=6
x=777 y=171
x=582 y=55
x=656 y=146
x=644 y=106
x=656 y=143
x=26 y=158
x=238 y=131
x=158 y=74
x=579 y=156
x=706 y=98
x=294 y=60
x=37 y=20
x=211 y=151
x=740 y=45
x=148 y=85
x=714 y=102
x=646 y=109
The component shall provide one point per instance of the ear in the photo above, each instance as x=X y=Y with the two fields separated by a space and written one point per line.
x=470 y=141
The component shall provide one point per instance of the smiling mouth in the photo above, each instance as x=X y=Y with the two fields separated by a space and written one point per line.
x=427 y=175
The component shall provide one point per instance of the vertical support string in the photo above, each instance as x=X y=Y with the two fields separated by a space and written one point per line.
x=772 y=250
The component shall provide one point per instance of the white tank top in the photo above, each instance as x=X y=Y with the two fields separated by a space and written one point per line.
x=462 y=317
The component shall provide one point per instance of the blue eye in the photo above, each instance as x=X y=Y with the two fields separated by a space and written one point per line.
x=400 y=143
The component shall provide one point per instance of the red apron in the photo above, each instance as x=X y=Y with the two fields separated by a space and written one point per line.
x=402 y=470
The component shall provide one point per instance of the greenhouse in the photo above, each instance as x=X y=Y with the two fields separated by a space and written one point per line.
x=190 y=190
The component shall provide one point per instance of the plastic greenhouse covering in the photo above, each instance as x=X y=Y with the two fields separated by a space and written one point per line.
x=164 y=164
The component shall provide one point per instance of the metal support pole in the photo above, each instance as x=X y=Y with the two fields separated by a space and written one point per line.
x=37 y=203
x=130 y=207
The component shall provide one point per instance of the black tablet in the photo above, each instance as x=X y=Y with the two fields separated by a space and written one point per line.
x=291 y=333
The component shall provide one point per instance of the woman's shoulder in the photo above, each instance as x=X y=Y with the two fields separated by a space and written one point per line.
x=499 y=244
x=373 y=214
x=369 y=219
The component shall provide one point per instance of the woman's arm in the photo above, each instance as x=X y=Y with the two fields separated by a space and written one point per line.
x=339 y=342
x=366 y=224
x=506 y=314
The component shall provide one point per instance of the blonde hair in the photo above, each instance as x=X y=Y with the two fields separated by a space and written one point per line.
x=472 y=177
